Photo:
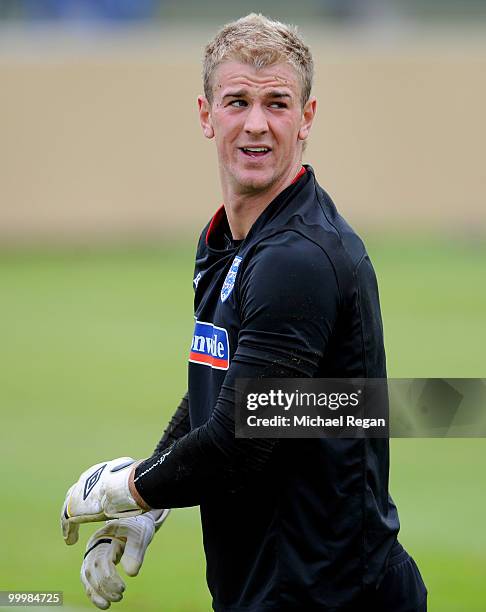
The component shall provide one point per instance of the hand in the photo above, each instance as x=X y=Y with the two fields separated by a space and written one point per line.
x=101 y=492
x=125 y=541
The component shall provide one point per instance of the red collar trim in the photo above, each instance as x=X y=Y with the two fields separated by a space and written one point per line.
x=218 y=215
x=300 y=173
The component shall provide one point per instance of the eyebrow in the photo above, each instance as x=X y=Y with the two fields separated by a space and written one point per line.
x=243 y=92
x=279 y=94
x=235 y=94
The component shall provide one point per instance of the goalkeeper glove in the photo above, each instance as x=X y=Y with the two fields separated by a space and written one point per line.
x=119 y=541
x=101 y=492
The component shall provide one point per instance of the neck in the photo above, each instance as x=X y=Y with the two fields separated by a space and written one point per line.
x=243 y=209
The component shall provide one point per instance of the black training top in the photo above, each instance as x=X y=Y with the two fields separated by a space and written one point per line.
x=287 y=524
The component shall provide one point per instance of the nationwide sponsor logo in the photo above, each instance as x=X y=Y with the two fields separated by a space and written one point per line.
x=229 y=281
x=210 y=346
x=92 y=480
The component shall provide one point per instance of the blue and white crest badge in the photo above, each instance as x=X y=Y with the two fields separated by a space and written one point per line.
x=229 y=281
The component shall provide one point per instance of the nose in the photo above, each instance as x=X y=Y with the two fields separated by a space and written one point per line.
x=255 y=120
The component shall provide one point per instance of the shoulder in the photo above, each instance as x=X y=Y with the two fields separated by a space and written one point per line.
x=339 y=239
x=202 y=242
x=290 y=249
x=288 y=262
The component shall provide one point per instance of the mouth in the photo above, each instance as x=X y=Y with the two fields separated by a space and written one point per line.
x=255 y=151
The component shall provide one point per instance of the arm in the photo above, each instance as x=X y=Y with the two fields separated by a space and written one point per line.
x=103 y=492
x=287 y=321
x=125 y=541
x=286 y=324
x=178 y=426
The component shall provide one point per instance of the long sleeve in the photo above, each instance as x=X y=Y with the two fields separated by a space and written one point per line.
x=287 y=321
x=178 y=426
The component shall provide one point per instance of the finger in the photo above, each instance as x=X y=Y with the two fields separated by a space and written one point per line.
x=109 y=587
x=70 y=525
x=131 y=561
x=135 y=548
x=101 y=572
x=107 y=580
x=117 y=549
x=70 y=531
x=93 y=595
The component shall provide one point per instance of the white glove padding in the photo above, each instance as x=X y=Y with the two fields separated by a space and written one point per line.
x=125 y=541
x=101 y=492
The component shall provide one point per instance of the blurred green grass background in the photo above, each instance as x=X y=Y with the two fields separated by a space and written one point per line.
x=93 y=362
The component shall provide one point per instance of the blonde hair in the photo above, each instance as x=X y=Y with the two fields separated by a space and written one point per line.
x=258 y=41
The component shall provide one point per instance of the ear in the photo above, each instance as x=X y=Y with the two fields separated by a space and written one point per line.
x=205 y=116
x=308 y=115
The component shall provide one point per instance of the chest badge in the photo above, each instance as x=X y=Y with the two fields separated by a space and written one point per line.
x=229 y=281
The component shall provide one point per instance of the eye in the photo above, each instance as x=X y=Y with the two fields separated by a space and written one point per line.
x=278 y=105
x=238 y=103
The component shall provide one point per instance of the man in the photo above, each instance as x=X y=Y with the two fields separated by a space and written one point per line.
x=283 y=288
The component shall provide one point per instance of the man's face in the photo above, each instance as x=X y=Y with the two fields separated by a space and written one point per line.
x=258 y=123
